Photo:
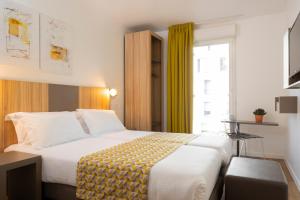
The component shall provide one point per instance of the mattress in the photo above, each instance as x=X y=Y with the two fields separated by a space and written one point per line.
x=193 y=171
x=218 y=141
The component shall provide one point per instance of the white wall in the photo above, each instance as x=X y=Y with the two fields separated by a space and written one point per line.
x=258 y=63
x=259 y=78
x=97 y=54
x=293 y=139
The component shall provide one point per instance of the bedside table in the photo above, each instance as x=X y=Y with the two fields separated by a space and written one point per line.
x=20 y=176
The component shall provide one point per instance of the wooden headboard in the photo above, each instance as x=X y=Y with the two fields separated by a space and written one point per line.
x=21 y=96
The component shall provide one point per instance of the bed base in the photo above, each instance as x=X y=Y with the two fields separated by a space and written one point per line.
x=55 y=191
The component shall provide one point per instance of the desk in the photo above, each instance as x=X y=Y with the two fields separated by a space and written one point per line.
x=237 y=135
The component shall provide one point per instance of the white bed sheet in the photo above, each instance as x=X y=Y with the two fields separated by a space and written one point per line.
x=218 y=141
x=189 y=173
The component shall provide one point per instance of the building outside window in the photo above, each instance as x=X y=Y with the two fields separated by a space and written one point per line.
x=212 y=93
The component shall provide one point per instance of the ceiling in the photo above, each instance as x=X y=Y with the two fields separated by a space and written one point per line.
x=159 y=14
x=162 y=13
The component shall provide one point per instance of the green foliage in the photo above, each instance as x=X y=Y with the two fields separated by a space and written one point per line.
x=259 y=111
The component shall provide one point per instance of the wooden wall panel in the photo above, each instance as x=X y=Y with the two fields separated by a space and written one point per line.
x=20 y=96
x=94 y=98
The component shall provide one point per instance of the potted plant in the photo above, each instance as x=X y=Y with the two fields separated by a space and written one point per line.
x=259 y=114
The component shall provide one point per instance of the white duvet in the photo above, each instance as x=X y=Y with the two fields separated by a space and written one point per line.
x=189 y=173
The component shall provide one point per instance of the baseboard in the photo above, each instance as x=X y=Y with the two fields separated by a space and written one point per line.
x=293 y=174
x=266 y=155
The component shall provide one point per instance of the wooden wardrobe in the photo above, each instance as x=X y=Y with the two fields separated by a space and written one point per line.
x=143 y=81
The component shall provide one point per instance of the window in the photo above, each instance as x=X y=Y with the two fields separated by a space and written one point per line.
x=213 y=98
x=207 y=84
x=223 y=64
x=207 y=108
x=198 y=65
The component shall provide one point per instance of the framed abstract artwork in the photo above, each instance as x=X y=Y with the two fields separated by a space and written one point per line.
x=19 y=35
x=55 y=48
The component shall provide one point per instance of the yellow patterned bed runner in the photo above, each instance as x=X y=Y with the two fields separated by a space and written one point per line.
x=122 y=172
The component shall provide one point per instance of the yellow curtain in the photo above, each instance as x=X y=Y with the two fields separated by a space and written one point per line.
x=180 y=78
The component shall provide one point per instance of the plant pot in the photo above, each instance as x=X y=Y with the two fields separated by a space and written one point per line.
x=259 y=118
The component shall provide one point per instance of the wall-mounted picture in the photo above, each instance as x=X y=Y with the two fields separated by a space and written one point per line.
x=55 y=46
x=19 y=35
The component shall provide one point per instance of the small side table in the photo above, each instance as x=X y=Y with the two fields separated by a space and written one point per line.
x=237 y=135
x=20 y=176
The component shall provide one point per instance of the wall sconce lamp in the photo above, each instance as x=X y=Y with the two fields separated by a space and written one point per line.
x=113 y=92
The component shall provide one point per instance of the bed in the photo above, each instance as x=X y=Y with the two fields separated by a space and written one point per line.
x=193 y=169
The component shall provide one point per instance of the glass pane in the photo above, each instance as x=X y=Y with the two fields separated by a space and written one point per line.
x=211 y=87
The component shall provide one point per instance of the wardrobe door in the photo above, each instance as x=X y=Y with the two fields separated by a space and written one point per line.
x=138 y=80
x=129 y=82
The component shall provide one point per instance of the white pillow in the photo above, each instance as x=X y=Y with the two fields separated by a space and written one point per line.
x=20 y=130
x=101 y=121
x=48 y=129
x=19 y=127
x=82 y=123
